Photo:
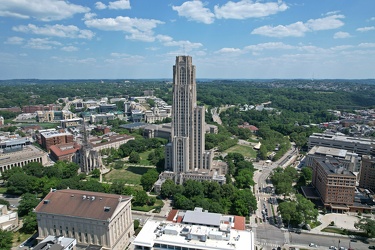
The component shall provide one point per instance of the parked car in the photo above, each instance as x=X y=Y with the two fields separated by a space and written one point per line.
x=371 y=247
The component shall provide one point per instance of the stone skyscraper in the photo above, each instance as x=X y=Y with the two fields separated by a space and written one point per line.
x=186 y=157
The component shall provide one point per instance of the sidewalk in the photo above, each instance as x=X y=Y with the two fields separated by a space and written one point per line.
x=340 y=221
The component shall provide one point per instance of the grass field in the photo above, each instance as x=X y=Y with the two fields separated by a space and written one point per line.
x=246 y=151
x=144 y=156
x=130 y=174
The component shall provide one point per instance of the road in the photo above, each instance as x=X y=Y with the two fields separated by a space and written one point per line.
x=13 y=200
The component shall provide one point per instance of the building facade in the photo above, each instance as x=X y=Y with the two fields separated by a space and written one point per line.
x=361 y=146
x=335 y=184
x=367 y=174
x=54 y=138
x=185 y=154
x=89 y=217
x=21 y=157
x=197 y=229
x=350 y=160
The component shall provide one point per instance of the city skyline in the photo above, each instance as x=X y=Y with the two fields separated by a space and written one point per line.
x=119 y=39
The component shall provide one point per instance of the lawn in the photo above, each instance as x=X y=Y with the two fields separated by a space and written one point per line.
x=158 y=205
x=130 y=174
x=143 y=157
x=246 y=151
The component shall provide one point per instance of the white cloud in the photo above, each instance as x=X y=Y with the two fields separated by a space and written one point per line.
x=325 y=23
x=341 y=34
x=185 y=45
x=139 y=29
x=69 y=48
x=42 y=43
x=372 y=19
x=164 y=38
x=268 y=46
x=229 y=51
x=68 y=31
x=116 y=5
x=364 y=29
x=195 y=11
x=44 y=10
x=366 y=45
x=119 y=5
x=248 y=9
x=89 y=16
x=100 y=6
x=14 y=40
x=342 y=47
x=298 y=29
x=69 y=60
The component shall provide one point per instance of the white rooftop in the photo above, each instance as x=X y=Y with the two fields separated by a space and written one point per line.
x=162 y=234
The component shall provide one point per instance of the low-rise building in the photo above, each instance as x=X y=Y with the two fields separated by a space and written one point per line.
x=21 y=156
x=56 y=243
x=65 y=152
x=109 y=141
x=196 y=229
x=359 y=145
x=8 y=219
x=89 y=217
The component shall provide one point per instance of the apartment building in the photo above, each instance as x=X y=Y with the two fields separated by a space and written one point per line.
x=367 y=174
x=335 y=184
x=195 y=229
x=89 y=217
x=49 y=138
x=349 y=160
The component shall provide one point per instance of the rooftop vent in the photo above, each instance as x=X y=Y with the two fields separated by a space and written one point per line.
x=106 y=209
x=92 y=198
x=72 y=195
x=83 y=197
x=46 y=201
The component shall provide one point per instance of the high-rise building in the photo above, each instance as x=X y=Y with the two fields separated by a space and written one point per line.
x=367 y=174
x=186 y=157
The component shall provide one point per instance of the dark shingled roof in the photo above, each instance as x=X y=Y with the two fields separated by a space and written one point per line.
x=78 y=203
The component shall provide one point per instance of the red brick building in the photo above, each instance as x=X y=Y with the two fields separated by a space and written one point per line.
x=65 y=152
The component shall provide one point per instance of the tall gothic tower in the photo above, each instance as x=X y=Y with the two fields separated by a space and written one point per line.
x=186 y=151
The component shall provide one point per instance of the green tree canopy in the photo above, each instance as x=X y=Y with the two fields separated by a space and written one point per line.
x=27 y=203
x=149 y=178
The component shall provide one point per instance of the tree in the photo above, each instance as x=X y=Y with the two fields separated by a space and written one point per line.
x=141 y=198
x=193 y=188
x=168 y=188
x=4 y=202
x=6 y=238
x=34 y=168
x=27 y=203
x=367 y=225
x=20 y=183
x=134 y=157
x=95 y=173
x=149 y=178
x=30 y=224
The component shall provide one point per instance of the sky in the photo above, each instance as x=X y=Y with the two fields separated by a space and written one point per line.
x=139 y=39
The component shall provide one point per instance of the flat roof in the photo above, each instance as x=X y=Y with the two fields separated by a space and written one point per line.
x=193 y=236
x=200 y=217
x=330 y=151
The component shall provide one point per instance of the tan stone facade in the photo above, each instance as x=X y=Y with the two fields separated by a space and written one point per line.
x=90 y=217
